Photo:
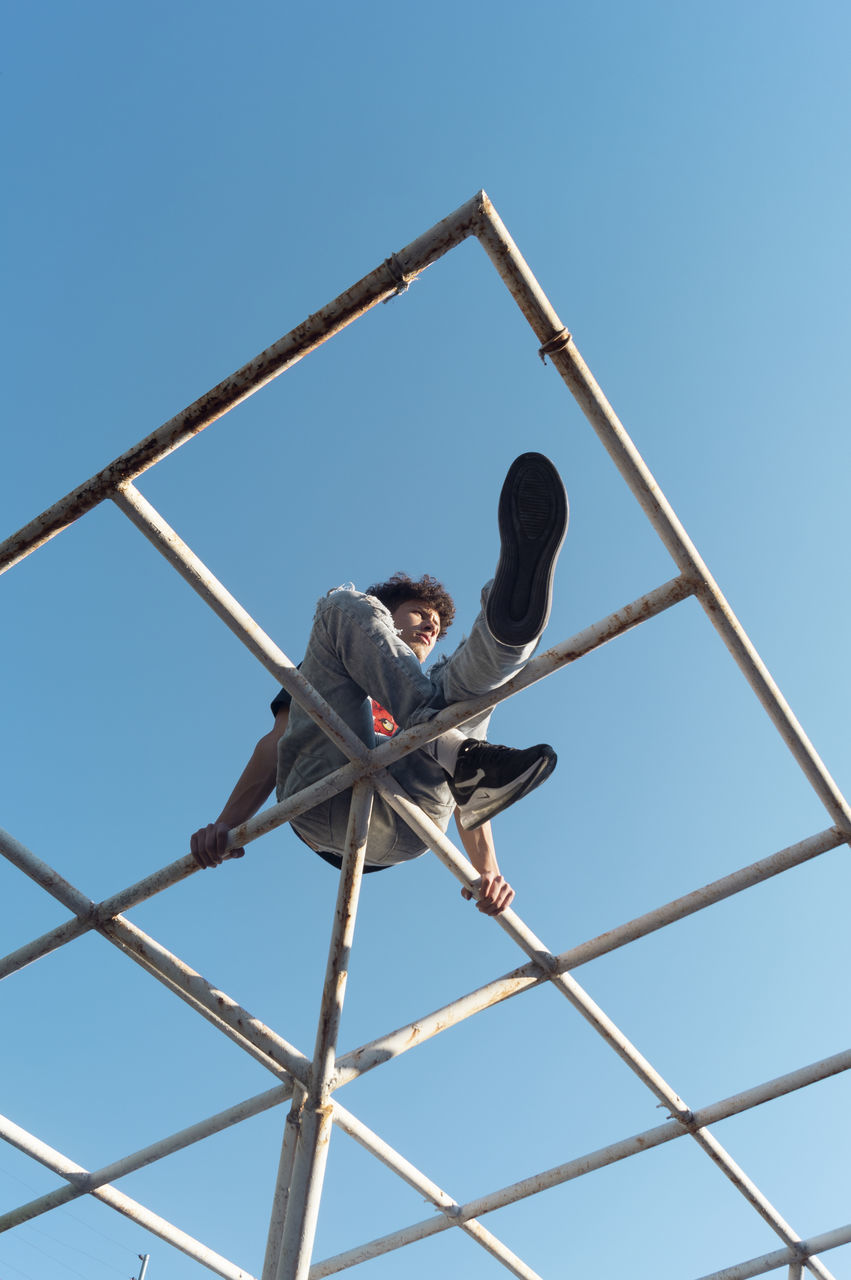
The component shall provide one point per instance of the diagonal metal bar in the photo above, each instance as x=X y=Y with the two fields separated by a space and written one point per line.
x=149 y=521
x=53 y=1159
x=450 y=1208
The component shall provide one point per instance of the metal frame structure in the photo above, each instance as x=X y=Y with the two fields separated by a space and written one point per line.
x=311 y=1085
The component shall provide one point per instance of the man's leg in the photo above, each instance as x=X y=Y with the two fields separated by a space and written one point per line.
x=533 y=517
x=354 y=650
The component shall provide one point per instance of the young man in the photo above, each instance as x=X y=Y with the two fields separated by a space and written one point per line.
x=371 y=646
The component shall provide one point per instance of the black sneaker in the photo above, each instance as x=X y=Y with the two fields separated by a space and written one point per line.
x=488 y=778
x=533 y=515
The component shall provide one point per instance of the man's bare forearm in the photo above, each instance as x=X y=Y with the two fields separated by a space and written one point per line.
x=209 y=844
x=479 y=848
x=254 y=785
x=495 y=893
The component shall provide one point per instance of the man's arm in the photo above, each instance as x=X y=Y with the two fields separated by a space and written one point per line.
x=496 y=893
x=255 y=784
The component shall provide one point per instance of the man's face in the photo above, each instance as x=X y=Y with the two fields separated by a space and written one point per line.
x=418 y=625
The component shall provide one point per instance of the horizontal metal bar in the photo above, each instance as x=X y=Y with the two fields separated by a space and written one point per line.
x=590 y=1162
x=52 y=1159
x=373 y=288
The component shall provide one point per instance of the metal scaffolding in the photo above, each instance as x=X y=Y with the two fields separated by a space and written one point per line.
x=311 y=1084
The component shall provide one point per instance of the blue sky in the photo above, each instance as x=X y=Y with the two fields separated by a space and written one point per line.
x=189 y=181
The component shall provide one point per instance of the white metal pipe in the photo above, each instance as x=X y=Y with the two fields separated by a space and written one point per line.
x=42 y=946
x=203 y=996
x=415 y=1178
x=149 y=521
x=117 y=1200
x=43 y=874
x=783 y=1257
x=147 y=1155
x=305 y=1188
x=280 y=1198
x=340 y=946
x=311 y=1154
x=710 y=1144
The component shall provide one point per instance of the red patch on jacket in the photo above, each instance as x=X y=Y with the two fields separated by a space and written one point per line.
x=384 y=723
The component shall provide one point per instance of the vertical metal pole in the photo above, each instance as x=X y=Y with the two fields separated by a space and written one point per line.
x=308 y=1169
x=292 y=1129
x=145 y=1259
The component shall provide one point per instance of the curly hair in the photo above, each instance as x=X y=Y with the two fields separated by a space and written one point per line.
x=400 y=588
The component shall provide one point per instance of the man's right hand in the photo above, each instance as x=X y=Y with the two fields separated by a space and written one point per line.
x=209 y=845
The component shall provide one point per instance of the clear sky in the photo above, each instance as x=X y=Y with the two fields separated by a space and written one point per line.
x=185 y=183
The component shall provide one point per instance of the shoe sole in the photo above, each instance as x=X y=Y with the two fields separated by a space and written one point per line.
x=533 y=518
x=497 y=804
